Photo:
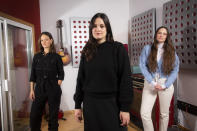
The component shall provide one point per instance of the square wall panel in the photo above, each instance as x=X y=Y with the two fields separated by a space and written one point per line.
x=142 y=31
x=180 y=16
x=79 y=37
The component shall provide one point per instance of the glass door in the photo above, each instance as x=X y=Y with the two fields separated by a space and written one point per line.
x=16 y=56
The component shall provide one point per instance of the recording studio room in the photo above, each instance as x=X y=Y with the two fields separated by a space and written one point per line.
x=151 y=75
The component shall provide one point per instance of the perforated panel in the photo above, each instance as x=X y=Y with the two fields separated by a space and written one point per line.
x=142 y=31
x=180 y=16
x=79 y=36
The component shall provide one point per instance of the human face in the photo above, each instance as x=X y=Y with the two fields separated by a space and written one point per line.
x=99 y=30
x=46 y=42
x=161 y=35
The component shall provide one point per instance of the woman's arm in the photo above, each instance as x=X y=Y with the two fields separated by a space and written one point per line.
x=143 y=64
x=78 y=96
x=32 y=79
x=125 y=85
x=33 y=70
x=124 y=79
x=32 y=94
x=60 y=69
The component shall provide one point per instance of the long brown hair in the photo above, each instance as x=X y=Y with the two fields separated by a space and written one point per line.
x=52 y=47
x=168 y=55
x=90 y=48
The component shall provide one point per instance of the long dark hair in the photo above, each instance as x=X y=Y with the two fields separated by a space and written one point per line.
x=168 y=55
x=90 y=48
x=52 y=47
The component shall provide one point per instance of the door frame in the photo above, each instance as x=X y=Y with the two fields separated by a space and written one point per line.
x=5 y=89
x=4 y=117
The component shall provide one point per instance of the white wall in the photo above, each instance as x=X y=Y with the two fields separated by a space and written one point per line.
x=52 y=10
x=187 y=78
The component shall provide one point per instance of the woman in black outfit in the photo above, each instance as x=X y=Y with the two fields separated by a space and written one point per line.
x=46 y=75
x=104 y=80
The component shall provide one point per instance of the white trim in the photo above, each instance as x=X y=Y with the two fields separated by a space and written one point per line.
x=4 y=117
x=17 y=24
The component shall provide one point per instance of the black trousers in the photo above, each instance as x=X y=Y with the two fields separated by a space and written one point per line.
x=52 y=94
x=101 y=114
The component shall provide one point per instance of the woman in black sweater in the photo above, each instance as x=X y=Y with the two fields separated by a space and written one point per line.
x=47 y=74
x=104 y=80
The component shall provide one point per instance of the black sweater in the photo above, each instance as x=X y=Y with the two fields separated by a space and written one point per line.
x=107 y=73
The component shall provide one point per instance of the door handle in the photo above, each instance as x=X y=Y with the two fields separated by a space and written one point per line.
x=6 y=85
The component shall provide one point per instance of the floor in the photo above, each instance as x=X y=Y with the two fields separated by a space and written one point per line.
x=22 y=124
x=71 y=125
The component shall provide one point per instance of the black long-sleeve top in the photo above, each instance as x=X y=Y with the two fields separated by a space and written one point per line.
x=108 y=72
x=46 y=67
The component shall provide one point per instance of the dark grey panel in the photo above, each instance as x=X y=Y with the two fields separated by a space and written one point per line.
x=142 y=31
x=180 y=16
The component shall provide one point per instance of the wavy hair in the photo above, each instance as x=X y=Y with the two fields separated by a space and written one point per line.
x=90 y=48
x=168 y=55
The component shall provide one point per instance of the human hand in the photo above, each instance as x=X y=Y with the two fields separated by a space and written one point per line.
x=32 y=95
x=125 y=118
x=158 y=87
x=59 y=82
x=78 y=115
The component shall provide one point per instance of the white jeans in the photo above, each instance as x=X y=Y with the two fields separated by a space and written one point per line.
x=149 y=96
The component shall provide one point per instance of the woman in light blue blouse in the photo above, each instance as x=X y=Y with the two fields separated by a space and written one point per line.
x=160 y=65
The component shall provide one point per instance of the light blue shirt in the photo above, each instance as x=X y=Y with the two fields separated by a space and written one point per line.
x=149 y=76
